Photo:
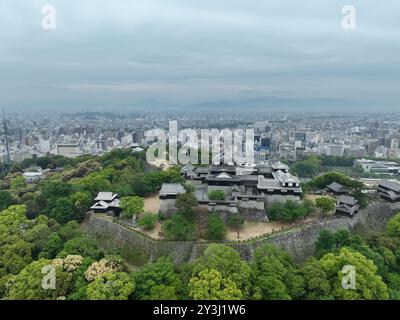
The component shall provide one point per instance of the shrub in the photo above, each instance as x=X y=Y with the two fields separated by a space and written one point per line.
x=393 y=226
x=323 y=181
x=216 y=195
x=178 y=228
x=148 y=221
x=325 y=204
x=186 y=204
x=216 y=228
x=131 y=206
x=290 y=210
x=236 y=222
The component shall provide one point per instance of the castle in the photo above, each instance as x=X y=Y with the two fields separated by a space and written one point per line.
x=247 y=188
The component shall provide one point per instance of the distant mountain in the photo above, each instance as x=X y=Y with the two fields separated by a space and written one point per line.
x=274 y=104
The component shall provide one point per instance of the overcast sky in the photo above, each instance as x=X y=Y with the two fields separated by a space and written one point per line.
x=118 y=54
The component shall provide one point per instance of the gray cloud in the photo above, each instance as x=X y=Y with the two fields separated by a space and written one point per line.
x=120 y=54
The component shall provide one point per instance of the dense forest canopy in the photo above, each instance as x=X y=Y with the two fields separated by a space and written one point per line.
x=40 y=226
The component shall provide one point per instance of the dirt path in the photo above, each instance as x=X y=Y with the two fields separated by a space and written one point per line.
x=152 y=204
x=254 y=229
x=152 y=233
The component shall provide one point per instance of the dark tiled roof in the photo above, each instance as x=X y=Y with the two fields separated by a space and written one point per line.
x=390 y=185
x=188 y=168
x=106 y=196
x=171 y=188
x=223 y=177
x=348 y=200
x=223 y=167
x=336 y=187
x=202 y=170
x=252 y=177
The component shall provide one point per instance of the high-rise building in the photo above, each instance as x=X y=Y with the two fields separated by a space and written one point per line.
x=138 y=137
x=266 y=144
x=300 y=136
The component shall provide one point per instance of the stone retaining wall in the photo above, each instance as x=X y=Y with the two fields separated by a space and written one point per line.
x=299 y=241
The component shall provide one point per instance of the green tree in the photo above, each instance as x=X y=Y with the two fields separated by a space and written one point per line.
x=209 y=284
x=216 y=228
x=82 y=246
x=18 y=183
x=186 y=204
x=216 y=195
x=63 y=211
x=93 y=183
x=369 y=284
x=328 y=241
x=52 y=189
x=323 y=181
x=82 y=202
x=27 y=285
x=148 y=221
x=15 y=251
x=318 y=286
x=152 y=181
x=178 y=228
x=163 y=292
x=70 y=230
x=309 y=167
x=325 y=242
x=236 y=222
x=16 y=167
x=132 y=206
x=325 y=204
x=309 y=205
x=111 y=286
x=227 y=261
x=80 y=284
x=190 y=188
x=35 y=202
x=157 y=281
x=38 y=235
x=6 y=200
x=15 y=254
x=52 y=247
x=276 y=277
x=123 y=181
x=109 y=264
x=393 y=226
x=290 y=210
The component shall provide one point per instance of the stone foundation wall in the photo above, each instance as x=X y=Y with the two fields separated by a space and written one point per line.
x=132 y=245
x=222 y=209
x=299 y=242
x=167 y=207
x=280 y=198
x=253 y=210
x=226 y=189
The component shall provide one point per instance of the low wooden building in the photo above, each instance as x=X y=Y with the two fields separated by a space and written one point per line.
x=347 y=206
x=171 y=190
x=107 y=202
x=389 y=190
x=336 y=188
x=168 y=195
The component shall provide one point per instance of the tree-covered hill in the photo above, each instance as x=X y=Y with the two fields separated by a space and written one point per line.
x=40 y=230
